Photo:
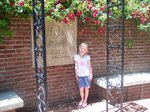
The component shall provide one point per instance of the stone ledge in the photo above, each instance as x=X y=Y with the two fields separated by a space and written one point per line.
x=129 y=80
x=10 y=101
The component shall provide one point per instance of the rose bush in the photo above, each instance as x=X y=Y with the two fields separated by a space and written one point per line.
x=87 y=11
x=11 y=8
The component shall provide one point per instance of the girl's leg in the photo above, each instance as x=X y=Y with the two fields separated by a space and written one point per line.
x=87 y=86
x=81 y=93
x=81 y=90
x=86 y=94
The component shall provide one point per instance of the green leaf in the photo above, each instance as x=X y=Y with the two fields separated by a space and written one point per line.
x=3 y=24
x=129 y=43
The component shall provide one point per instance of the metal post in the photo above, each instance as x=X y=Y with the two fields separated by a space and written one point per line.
x=40 y=54
x=115 y=53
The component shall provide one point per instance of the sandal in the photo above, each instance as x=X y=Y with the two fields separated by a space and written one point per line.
x=80 y=103
x=84 y=104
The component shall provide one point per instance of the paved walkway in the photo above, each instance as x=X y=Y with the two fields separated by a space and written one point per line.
x=134 y=106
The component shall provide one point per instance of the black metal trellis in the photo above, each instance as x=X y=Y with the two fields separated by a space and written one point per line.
x=40 y=54
x=115 y=53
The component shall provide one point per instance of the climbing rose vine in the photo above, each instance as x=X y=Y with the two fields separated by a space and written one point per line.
x=86 y=11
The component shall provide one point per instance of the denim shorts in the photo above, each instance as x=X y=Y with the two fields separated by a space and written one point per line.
x=84 y=81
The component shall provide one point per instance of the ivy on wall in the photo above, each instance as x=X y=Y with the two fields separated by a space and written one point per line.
x=93 y=11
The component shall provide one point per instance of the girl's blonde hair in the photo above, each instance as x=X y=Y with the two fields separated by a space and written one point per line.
x=85 y=45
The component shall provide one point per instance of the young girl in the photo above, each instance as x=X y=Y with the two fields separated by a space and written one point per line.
x=83 y=71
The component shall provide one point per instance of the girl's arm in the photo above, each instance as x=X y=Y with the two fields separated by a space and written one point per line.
x=76 y=70
x=91 y=72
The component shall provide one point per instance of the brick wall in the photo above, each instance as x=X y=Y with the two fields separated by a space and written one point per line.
x=131 y=93
x=16 y=72
x=137 y=57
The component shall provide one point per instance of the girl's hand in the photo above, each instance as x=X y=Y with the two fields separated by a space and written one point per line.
x=77 y=78
x=91 y=77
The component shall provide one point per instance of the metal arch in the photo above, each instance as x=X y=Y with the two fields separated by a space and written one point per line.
x=115 y=53
x=40 y=54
